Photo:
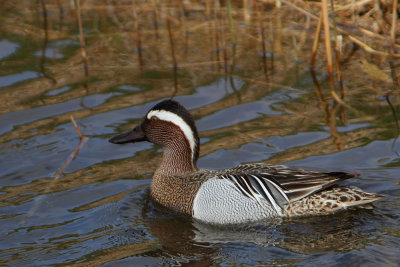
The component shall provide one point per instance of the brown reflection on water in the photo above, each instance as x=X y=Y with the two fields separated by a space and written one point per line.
x=116 y=253
x=111 y=60
x=310 y=235
x=103 y=172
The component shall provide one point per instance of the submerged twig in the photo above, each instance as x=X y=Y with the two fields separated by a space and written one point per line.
x=76 y=126
x=72 y=156
x=38 y=201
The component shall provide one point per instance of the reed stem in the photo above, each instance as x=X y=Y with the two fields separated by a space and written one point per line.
x=396 y=83
x=175 y=65
x=216 y=31
x=81 y=38
x=138 y=37
x=316 y=41
x=328 y=49
x=155 y=20
x=231 y=25
x=337 y=48
x=264 y=50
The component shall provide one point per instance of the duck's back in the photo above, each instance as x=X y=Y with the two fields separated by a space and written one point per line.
x=256 y=191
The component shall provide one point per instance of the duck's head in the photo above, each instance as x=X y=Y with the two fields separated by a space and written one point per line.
x=169 y=125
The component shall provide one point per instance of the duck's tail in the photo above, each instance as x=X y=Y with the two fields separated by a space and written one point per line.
x=331 y=200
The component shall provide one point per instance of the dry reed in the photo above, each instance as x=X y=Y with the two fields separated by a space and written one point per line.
x=81 y=38
x=264 y=50
x=138 y=36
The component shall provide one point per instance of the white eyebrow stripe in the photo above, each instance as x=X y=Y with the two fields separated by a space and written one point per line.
x=178 y=121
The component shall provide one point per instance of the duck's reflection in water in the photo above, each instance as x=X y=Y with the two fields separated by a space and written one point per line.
x=201 y=243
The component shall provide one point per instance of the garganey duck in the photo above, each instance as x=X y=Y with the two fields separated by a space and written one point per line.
x=245 y=193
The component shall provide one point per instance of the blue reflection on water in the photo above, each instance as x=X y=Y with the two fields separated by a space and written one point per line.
x=7 y=48
x=11 y=79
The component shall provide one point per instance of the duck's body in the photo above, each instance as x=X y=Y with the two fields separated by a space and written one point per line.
x=241 y=194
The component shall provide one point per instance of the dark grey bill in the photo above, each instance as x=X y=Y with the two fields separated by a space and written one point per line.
x=132 y=136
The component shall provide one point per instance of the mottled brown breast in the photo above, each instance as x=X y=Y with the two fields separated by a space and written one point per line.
x=174 y=192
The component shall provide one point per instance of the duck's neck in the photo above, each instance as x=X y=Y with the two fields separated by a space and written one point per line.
x=177 y=159
x=171 y=185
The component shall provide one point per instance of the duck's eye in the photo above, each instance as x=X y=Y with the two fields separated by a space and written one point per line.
x=154 y=118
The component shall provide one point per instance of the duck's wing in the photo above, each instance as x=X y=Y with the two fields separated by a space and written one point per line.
x=280 y=185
